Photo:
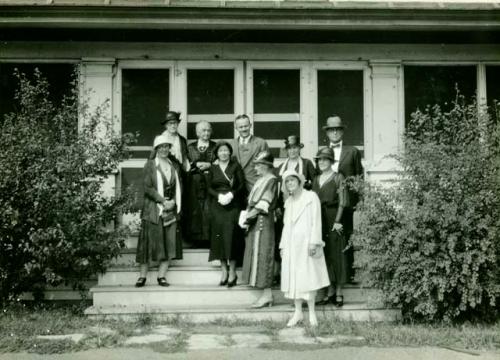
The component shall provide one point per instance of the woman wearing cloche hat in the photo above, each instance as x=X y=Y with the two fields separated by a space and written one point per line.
x=333 y=196
x=258 y=219
x=159 y=237
x=303 y=266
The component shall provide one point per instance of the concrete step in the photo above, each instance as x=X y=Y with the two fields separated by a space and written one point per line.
x=211 y=313
x=176 y=296
x=190 y=257
x=62 y=293
x=176 y=275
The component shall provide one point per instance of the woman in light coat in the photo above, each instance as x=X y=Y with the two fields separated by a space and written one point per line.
x=303 y=267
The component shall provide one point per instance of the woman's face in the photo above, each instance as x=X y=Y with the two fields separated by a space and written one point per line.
x=163 y=150
x=293 y=152
x=292 y=184
x=324 y=164
x=204 y=132
x=223 y=153
x=261 y=169
x=171 y=126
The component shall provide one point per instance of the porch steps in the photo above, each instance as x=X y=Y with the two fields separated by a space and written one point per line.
x=194 y=295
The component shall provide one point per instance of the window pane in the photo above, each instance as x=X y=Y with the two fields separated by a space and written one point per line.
x=493 y=84
x=59 y=77
x=211 y=98
x=430 y=85
x=132 y=178
x=276 y=106
x=276 y=91
x=340 y=92
x=145 y=94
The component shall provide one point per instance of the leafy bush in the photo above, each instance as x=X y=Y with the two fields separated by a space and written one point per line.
x=431 y=239
x=56 y=224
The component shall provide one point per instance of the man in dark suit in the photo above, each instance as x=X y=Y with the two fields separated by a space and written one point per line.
x=246 y=147
x=348 y=163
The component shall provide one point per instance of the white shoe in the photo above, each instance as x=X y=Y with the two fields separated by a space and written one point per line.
x=296 y=318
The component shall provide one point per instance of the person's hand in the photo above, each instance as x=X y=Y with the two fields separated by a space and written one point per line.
x=338 y=227
x=279 y=213
x=313 y=250
x=202 y=165
x=281 y=253
x=169 y=204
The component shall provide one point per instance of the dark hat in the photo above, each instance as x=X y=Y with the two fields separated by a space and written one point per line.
x=333 y=122
x=293 y=140
x=223 y=143
x=171 y=115
x=264 y=157
x=325 y=153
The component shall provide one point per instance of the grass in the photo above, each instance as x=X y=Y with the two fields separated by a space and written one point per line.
x=20 y=325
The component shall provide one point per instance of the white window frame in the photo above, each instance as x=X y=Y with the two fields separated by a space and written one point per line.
x=181 y=95
x=367 y=97
x=117 y=98
x=305 y=88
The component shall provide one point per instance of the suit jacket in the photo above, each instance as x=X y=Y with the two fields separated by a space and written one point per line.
x=256 y=145
x=350 y=165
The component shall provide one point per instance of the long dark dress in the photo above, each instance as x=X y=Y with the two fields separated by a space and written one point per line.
x=226 y=238
x=196 y=195
x=332 y=195
x=157 y=242
x=258 y=262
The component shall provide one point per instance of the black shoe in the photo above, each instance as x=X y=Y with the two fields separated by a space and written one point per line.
x=339 y=301
x=327 y=300
x=140 y=282
x=163 y=282
x=224 y=282
x=232 y=283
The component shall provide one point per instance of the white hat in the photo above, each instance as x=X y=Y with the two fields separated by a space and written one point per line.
x=161 y=139
x=289 y=173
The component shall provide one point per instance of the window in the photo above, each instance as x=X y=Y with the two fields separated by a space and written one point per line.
x=430 y=85
x=340 y=92
x=145 y=100
x=276 y=96
x=58 y=75
x=492 y=84
x=210 y=97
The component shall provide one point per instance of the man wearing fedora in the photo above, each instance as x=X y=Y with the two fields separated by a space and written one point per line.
x=246 y=147
x=348 y=163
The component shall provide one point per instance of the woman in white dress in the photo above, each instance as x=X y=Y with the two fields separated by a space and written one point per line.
x=303 y=267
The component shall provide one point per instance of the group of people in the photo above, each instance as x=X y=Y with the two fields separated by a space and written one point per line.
x=229 y=196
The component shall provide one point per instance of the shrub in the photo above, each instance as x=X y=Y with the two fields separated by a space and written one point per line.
x=431 y=239
x=56 y=224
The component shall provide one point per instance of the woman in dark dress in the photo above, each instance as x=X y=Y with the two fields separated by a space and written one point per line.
x=159 y=237
x=333 y=196
x=226 y=186
x=201 y=156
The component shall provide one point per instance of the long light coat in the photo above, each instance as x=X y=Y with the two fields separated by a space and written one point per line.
x=300 y=272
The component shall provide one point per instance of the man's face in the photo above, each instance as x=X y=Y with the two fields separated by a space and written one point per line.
x=243 y=127
x=335 y=134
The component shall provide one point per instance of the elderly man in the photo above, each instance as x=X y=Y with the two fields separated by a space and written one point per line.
x=246 y=147
x=348 y=163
